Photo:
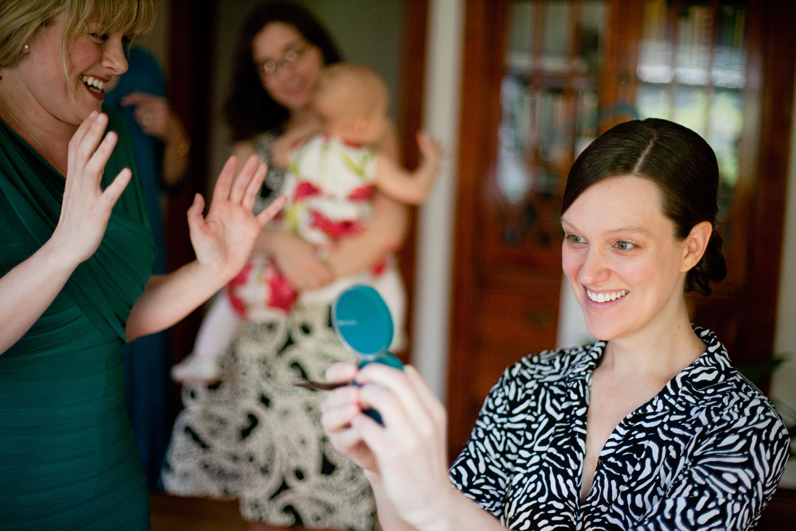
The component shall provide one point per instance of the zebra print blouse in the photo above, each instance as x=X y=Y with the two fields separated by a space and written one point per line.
x=706 y=453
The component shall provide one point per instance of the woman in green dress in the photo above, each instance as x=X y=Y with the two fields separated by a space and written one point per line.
x=75 y=255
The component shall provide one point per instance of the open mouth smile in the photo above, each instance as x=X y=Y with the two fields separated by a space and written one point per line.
x=606 y=297
x=94 y=85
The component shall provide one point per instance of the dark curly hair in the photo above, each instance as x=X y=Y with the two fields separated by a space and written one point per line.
x=249 y=109
x=679 y=162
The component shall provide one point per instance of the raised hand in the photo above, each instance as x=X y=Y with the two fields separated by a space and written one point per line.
x=86 y=208
x=152 y=113
x=430 y=148
x=224 y=238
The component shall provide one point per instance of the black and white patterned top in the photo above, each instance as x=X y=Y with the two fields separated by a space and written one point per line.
x=706 y=453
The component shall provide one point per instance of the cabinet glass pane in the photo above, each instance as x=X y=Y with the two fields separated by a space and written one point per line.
x=520 y=37
x=655 y=50
x=549 y=94
x=556 y=18
x=693 y=44
x=514 y=140
x=588 y=118
x=726 y=119
x=654 y=100
x=592 y=28
x=728 y=57
x=690 y=108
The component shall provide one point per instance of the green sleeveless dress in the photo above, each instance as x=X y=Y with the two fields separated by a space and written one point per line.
x=67 y=455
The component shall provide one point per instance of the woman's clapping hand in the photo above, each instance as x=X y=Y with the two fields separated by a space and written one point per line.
x=86 y=208
x=224 y=238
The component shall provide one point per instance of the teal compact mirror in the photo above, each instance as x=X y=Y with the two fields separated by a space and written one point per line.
x=364 y=323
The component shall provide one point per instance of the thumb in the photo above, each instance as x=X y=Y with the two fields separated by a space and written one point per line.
x=272 y=210
x=423 y=142
x=195 y=216
x=134 y=98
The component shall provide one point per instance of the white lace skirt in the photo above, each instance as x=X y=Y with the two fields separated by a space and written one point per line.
x=257 y=437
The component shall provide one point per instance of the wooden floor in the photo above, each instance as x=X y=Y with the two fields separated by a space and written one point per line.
x=173 y=513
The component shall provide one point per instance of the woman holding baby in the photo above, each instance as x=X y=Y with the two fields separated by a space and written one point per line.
x=252 y=434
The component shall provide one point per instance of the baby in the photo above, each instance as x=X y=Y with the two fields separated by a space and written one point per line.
x=332 y=172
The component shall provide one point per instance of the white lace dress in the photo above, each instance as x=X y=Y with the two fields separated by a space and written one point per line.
x=257 y=437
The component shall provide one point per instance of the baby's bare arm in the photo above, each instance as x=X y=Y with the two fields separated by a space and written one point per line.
x=410 y=187
x=383 y=235
x=282 y=145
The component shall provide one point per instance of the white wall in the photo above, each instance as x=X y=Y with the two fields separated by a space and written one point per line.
x=783 y=388
x=435 y=223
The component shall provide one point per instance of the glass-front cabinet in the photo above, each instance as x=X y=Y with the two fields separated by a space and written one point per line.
x=541 y=79
x=550 y=110
x=690 y=69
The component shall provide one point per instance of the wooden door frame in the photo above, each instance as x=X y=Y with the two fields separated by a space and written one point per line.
x=778 y=57
x=191 y=52
x=478 y=114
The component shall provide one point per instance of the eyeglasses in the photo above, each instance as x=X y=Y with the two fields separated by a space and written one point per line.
x=270 y=67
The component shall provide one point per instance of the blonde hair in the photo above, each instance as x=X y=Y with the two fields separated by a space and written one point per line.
x=20 y=19
x=350 y=89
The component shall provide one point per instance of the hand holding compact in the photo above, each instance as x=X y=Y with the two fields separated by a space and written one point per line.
x=400 y=441
x=405 y=455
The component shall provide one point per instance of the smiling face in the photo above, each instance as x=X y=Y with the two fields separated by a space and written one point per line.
x=622 y=259
x=292 y=83
x=68 y=87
